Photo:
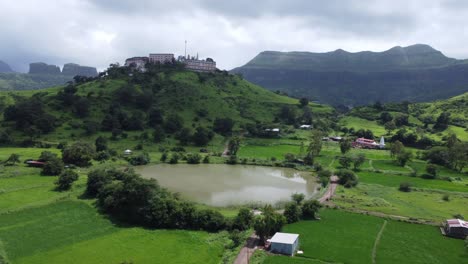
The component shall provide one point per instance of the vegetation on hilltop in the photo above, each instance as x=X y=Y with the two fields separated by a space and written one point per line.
x=164 y=102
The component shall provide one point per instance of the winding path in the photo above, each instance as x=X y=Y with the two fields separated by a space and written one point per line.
x=377 y=240
x=248 y=250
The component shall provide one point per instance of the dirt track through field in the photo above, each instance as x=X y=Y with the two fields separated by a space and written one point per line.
x=376 y=243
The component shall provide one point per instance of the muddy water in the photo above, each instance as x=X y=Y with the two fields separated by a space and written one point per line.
x=223 y=185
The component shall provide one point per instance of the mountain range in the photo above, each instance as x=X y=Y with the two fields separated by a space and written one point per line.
x=41 y=75
x=413 y=73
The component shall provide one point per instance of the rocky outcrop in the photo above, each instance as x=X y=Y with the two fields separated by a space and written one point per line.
x=5 y=67
x=43 y=68
x=73 y=69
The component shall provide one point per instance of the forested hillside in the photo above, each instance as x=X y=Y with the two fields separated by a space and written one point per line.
x=416 y=73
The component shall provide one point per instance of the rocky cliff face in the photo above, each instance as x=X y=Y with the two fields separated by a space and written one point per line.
x=5 y=67
x=73 y=69
x=43 y=68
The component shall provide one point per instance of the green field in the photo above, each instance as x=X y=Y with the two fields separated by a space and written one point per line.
x=73 y=232
x=426 y=205
x=341 y=237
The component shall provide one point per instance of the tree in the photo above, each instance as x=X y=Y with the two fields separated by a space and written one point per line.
x=358 y=160
x=158 y=134
x=234 y=145
x=292 y=212
x=298 y=197
x=403 y=157
x=347 y=178
x=54 y=166
x=223 y=126
x=345 y=161
x=310 y=208
x=79 y=154
x=66 y=179
x=101 y=144
x=396 y=148
x=303 y=101
x=210 y=220
x=268 y=223
x=314 y=148
x=288 y=114
x=13 y=159
x=155 y=117
x=243 y=220
x=442 y=121
x=390 y=126
x=451 y=140
x=385 y=117
x=431 y=169
x=202 y=136
x=173 y=123
x=401 y=120
x=193 y=158
x=458 y=156
x=184 y=136
x=140 y=159
x=345 y=145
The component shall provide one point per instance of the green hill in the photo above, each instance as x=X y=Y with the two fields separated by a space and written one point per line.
x=130 y=104
x=416 y=73
x=434 y=120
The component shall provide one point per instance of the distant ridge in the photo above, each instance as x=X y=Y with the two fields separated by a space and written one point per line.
x=413 y=73
x=416 y=56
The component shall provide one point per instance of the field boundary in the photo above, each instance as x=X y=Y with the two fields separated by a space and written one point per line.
x=377 y=241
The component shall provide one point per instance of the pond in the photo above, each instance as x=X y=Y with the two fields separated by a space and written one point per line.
x=224 y=185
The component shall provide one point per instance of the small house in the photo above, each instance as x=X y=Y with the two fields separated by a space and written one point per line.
x=456 y=228
x=128 y=152
x=35 y=163
x=284 y=243
x=305 y=127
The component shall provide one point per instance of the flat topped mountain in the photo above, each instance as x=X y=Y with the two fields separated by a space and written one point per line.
x=415 y=73
x=417 y=56
x=5 y=67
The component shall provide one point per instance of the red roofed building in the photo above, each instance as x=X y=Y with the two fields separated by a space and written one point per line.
x=456 y=228
x=365 y=143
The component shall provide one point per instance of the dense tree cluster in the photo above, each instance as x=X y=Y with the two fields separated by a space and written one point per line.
x=30 y=116
x=133 y=199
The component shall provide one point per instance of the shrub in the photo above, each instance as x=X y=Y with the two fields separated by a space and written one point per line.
x=163 y=157
x=446 y=197
x=193 y=158
x=347 y=178
x=310 y=208
x=232 y=160
x=66 y=179
x=243 y=220
x=54 y=166
x=174 y=158
x=292 y=212
x=206 y=159
x=210 y=220
x=405 y=187
x=345 y=161
x=79 y=154
x=431 y=169
x=140 y=159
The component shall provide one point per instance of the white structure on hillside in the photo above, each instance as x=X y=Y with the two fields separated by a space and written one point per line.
x=284 y=243
x=195 y=64
x=138 y=63
x=382 y=143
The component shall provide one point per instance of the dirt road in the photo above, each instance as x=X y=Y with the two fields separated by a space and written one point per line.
x=248 y=250
x=331 y=190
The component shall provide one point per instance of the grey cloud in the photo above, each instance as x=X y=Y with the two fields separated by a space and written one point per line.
x=98 y=32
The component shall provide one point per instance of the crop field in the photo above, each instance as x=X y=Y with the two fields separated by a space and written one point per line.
x=427 y=205
x=342 y=237
x=74 y=232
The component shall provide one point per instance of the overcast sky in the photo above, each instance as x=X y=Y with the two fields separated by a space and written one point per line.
x=100 y=32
